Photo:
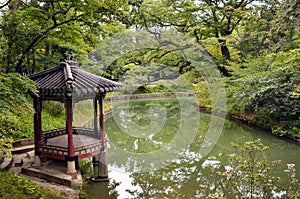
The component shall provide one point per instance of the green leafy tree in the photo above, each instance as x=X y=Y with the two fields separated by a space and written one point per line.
x=141 y=52
x=285 y=28
x=34 y=29
x=268 y=28
x=200 y=19
x=253 y=35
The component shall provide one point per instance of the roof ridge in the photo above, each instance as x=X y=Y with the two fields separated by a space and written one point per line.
x=44 y=71
x=68 y=76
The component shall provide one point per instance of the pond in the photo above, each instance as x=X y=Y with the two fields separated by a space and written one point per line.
x=161 y=148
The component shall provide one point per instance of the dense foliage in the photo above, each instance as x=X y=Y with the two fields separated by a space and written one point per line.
x=15 y=106
x=266 y=91
x=35 y=34
x=16 y=110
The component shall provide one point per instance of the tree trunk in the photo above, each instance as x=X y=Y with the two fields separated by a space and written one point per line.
x=33 y=63
x=18 y=68
x=226 y=56
x=8 y=61
x=13 y=6
x=224 y=49
x=47 y=50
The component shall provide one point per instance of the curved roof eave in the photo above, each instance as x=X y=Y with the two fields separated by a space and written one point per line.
x=68 y=77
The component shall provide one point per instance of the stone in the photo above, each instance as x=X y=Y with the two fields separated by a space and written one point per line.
x=18 y=162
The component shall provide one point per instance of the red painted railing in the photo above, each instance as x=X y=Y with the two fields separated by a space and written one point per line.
x=60 y=152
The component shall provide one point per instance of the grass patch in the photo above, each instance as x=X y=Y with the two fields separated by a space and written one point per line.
x=17 y=187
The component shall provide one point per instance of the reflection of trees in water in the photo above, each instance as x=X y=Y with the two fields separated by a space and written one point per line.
x=183 y=176
x=174 y=181
x=175 y=178
x=245 y=174
x=149 y=124
x=103 y=190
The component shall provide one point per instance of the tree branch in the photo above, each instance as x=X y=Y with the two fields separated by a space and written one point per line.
x=166 y=52
x=5 y=4
x=40 y=36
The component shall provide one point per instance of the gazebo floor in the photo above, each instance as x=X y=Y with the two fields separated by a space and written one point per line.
x=79 y=140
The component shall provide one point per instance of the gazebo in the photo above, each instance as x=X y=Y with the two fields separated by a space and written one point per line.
x=68 y=84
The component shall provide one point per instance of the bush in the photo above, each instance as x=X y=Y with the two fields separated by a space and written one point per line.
x=248 y=174
x=54 y=108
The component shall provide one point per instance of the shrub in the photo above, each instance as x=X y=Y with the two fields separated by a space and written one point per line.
x=248 y=174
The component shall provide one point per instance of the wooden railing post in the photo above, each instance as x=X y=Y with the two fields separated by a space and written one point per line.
x=101 y=121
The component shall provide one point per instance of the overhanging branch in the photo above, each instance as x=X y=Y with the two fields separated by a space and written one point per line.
x=40 y=36
x=5 y=4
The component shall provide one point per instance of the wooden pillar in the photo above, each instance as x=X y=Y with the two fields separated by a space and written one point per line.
x=37 y=121
x=101 y=121
x=70 y=159
x=40 y=105
x=95 y=115
x=103 y=170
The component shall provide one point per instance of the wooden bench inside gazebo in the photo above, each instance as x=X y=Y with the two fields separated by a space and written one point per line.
x=69 y=84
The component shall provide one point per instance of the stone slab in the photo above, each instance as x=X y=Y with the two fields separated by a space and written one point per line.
x=22 y=149
x=7 y=162
x=18 y=162
x=55 y=172
x=23 y=142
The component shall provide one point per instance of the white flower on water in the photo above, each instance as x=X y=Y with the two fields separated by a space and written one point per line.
x=228 y=168
x=211 y=163
x=291 y=166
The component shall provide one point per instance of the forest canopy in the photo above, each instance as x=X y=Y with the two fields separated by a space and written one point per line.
x=34 y=34
x=254 y=44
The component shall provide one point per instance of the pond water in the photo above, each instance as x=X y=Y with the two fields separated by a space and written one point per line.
x=160 y=149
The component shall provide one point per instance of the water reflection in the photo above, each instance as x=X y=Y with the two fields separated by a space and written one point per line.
x=145 y=146
x=179 y=177
x=119 y=185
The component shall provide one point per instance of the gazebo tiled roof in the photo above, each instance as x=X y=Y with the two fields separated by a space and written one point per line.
x=68 y=79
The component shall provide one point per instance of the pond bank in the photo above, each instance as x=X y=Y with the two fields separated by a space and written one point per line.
x=246 y=118
x=148 y=96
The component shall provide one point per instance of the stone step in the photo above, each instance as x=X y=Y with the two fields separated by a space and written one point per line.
x=6 y=164
x=23 y=142
x=22 y=149
x=54 y=172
